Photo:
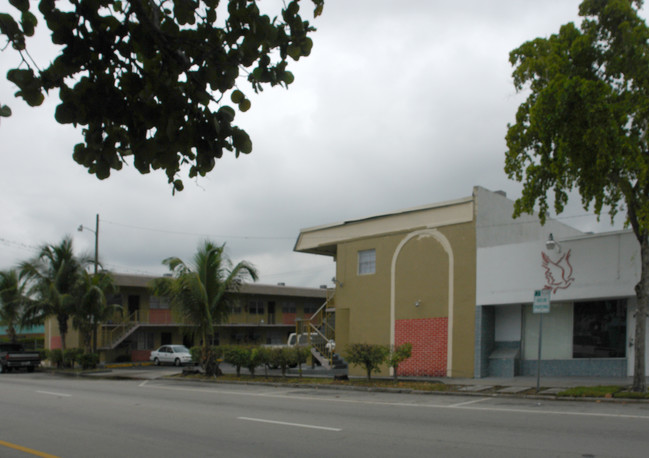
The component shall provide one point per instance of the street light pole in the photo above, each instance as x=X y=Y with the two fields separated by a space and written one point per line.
x=96 y=242
x=96 y=232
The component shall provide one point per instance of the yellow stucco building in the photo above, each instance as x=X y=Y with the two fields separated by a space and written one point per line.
x=407 y=276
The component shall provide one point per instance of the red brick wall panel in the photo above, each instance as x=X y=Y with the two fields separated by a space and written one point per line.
x=140 y=355
x=55 y=343
x=429 y=339
x=160 y=316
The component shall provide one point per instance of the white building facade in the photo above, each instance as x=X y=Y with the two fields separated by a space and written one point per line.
x=589 y=330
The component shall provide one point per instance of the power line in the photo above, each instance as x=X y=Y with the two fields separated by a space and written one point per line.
x=197 y=234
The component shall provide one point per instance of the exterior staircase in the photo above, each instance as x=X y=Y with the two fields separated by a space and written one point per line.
x=321 y=331
x=115 y=333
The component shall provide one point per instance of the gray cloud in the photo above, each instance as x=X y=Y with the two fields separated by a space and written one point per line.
x=400 y=104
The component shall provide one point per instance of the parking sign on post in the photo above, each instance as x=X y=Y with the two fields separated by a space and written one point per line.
x=541 y=301
x=540 y=305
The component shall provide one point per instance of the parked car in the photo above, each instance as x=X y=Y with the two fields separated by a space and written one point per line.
x=171 y=354
x=14 y=356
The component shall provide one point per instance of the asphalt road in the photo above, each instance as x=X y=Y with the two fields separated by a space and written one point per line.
x=45 y=415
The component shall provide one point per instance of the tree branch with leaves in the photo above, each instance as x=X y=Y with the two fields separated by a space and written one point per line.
x=147 y=79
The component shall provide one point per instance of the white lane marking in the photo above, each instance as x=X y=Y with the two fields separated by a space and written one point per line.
x=475 y=401
x=55 y=394
x=283 y=423
x=404 y=404
x=143 y=383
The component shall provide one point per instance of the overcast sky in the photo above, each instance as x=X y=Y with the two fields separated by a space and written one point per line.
x=400 y=104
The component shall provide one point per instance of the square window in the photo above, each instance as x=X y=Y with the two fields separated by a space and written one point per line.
x=366 y=262
x=599 y=329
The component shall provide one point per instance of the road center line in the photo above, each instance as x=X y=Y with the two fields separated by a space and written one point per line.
x=55 y=394
x=469 y=402
x=297 y=425
x=26 y=450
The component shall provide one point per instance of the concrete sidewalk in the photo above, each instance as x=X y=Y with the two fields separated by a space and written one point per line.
x=505 y=385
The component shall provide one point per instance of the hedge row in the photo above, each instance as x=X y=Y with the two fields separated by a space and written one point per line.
x=250 y=357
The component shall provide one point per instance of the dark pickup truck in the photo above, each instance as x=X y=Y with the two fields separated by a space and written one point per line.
x=14 y=356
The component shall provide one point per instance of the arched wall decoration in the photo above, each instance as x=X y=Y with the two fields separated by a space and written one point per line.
x=439 y=237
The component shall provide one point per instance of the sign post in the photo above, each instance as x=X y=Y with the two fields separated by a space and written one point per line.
x=541 y=305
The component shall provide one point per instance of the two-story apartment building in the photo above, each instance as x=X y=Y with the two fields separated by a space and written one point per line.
x=457 y=280
x=262 y=314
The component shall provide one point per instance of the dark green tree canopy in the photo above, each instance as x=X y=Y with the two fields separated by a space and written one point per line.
x=585 y=122
x=150 y=78
x=585 y=126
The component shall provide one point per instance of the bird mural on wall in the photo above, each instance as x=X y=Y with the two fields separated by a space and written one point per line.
x=558 y=274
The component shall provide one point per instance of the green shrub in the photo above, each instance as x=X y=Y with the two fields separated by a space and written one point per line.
x=88 y=360
x=71 y=357
x=237 y=355
x=256 y=357
x=398 y=355
x=301 y=356
x=264 y=355
x=196 y=353
x=56 y=357
x=282 y=357
x=369 y=356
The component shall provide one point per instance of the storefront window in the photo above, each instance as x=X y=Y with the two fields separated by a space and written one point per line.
x=599 y=329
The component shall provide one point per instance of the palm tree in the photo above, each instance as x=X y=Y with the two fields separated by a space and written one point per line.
x=54 y=277
x=201 y=292
x=91 y=306
x=13 y=301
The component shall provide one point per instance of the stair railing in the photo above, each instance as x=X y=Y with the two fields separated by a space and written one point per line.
x=319 y=330
x=110 y=338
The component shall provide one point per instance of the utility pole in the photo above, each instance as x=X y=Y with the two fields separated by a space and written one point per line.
x=96 y=232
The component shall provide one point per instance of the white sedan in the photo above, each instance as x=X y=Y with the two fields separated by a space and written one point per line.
x=171 y=354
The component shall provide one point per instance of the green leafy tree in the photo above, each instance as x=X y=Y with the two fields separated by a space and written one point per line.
x=91 y=306
x=54 y=277
x=397 y=356
x=149 y=78
x=202 y=292
x=13 y=301
x=585 y=126
x=369 y=356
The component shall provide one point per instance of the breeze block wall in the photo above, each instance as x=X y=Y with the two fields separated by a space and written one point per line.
x=429 y=339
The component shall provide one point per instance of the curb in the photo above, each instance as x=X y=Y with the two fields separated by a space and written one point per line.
x=107 y=374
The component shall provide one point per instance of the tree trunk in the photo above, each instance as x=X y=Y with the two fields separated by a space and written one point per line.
x=642 y=295
x=94 y=337
x=63 y=329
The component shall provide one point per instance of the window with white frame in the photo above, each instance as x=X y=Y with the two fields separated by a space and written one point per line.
x=366 y=262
